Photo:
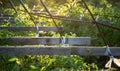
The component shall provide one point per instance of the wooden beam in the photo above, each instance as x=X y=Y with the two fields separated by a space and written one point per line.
x=57 y=50
x=16 y=29
x=64 y=18
x=31 y=50
x=81 y=21
x=47 y=40
x=6 y=18
x=4 y=21
x=5 y=15
x=77 y=20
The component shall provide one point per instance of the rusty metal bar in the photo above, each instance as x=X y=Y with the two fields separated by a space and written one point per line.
x=60 y=31
x=97 y=25
x=22 y=3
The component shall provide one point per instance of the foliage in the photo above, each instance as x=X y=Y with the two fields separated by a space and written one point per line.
x=71 y=8
x=44 y=63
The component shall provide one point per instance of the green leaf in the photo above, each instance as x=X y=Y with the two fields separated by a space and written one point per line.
x=13 y=59
x=33 y=67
